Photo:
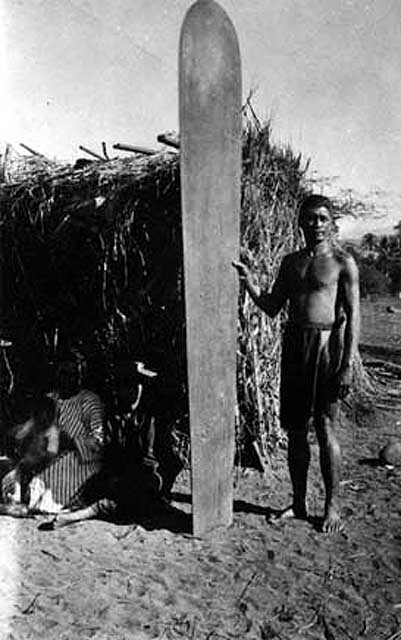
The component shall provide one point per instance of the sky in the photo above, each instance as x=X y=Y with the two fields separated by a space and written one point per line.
x=326 y=71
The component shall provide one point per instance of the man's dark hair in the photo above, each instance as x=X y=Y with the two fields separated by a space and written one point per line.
x=314 y=201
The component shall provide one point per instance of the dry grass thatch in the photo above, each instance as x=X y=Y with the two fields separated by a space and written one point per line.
x=110 y=278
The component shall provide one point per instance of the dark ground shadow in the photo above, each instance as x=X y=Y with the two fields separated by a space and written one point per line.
x=162 y=516
x=242 y=506
x=272 y=516
x=179 y=496
x=169 y=518
x=370 y=462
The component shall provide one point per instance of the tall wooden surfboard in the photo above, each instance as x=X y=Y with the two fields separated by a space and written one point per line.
x=210 y=142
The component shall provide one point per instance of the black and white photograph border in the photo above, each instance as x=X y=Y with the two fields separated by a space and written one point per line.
x=155 y=162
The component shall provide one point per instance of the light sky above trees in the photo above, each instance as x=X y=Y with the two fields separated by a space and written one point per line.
x=327 y=71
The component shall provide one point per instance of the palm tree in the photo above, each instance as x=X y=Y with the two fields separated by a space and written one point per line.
x=370 y=242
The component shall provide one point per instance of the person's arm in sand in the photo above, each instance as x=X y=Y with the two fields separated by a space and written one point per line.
x=349 y=290
x=271 y=303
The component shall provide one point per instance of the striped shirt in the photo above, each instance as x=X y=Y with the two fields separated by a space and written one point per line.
x=80 y=419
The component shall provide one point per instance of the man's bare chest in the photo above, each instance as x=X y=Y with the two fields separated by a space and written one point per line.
x=312 y=274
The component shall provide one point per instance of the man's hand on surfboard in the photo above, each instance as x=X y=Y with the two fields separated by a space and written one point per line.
x=242 y=269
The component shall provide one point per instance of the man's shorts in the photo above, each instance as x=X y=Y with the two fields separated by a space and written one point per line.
x=311 y=358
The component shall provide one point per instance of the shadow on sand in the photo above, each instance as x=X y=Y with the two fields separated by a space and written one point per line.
x=167 y=517
x=370 y=462
x=272 y=516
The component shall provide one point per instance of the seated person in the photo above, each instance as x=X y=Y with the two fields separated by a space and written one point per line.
x=62 y=445
x=36 y=445
x=131 y=483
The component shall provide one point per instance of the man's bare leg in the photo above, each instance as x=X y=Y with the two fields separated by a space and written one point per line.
x=330 y=464
x=298 y=465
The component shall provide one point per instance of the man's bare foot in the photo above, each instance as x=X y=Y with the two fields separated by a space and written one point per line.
x=289 y=513
x=332 y=521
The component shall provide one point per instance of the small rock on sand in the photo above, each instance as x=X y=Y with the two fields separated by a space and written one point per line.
x=391 y=453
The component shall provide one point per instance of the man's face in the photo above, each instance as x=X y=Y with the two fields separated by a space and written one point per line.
x=317 y=225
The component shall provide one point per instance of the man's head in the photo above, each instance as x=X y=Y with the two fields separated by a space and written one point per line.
x=316 y=219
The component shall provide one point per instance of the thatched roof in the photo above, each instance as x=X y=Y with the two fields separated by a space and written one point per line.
x=110 y=277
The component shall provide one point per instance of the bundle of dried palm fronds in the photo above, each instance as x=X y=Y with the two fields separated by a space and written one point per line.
x=94 y=257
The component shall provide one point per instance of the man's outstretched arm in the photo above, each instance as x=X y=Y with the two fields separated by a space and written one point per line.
x=272 y=302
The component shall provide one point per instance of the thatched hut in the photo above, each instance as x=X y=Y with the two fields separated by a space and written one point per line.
x=93 y=257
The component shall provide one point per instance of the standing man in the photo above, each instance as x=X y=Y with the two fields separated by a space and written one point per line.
x=320 y=283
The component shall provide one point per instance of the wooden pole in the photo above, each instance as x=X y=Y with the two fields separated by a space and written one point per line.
x=91 y=153
x=104 y=149
x=164 y=138
x=134 y=149
x=32 y=151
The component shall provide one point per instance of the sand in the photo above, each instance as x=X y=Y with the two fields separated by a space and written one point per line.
x=253 y=580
